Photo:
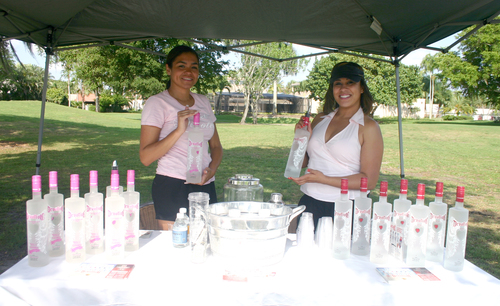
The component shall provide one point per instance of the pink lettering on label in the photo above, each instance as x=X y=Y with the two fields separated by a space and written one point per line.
x=195 y=144
x=377 y=217
x=115 y=214
x=95 y=239
x=52 y=209
x=79 y=247
x=94 y=209
x=132 y=206
x=129 y=236
x=347 y=214
x=401 y=214
x=414 y=220
x=34 y=217
x=456 y=223
x=55 y=240
x=34 y=250
x=77 y=215
x=362 y=211
x=437 y=217
x=116 y=246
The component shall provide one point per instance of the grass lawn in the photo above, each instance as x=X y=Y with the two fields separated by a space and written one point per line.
x=463 y=153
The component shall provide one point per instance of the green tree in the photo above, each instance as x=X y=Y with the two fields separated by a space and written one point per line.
x=380 y=77
x=475 y=69
x=256 y=74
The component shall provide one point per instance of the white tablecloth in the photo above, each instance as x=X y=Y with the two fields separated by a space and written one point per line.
x=164 y=275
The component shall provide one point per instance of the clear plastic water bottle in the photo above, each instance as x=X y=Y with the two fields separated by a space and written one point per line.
x=55 y=217
x=36 y=222
x=180 y=232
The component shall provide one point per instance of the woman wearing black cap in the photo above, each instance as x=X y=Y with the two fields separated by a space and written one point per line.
x=345 y=143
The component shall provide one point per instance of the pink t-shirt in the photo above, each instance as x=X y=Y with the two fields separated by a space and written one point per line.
x=161 y=111
x=339 y=157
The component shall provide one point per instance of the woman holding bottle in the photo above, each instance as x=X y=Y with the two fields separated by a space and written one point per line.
x=164 y=127
x=345 y=143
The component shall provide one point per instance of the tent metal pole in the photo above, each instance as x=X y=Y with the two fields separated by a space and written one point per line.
x=400 y=123
x=42 y=112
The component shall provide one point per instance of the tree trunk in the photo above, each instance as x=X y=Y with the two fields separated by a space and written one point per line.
x=275 y=98
x=245 y=112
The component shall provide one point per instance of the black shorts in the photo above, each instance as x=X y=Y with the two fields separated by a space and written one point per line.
x=169 y=194
x=317 y=208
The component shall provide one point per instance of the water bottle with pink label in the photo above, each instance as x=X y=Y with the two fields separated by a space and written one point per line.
x=115 y=222
x=132 y=202
x=456 y=237
x=382 y=211
x=341 y=247
x=74 y=214
x=55 y=217
x=362 y=221
x=94 y=216
x=36 y=222
x=417 y=232
x=195 y=152
x=437 y=226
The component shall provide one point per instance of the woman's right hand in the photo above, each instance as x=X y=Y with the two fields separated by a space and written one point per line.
x=182 y=118
x=301 y=124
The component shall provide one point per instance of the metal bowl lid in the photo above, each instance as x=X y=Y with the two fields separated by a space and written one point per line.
x=243 y=179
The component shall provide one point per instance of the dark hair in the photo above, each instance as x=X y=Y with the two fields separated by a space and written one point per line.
x=175 y=52
x=366 y=97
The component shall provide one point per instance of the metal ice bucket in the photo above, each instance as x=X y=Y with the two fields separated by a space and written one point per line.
x=249 y=233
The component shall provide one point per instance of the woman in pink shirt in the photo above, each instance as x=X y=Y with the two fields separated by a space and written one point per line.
x=345 y=143
x=164 y=125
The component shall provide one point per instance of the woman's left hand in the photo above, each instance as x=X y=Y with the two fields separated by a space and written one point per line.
x=311 y=176
x=207 y=174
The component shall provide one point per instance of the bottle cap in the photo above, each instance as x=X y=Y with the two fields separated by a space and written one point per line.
x=74 y=180
x=439 y=189
x=421 y=191
x=130 y=177
x=183 y=210
x=179 y=215
x=115 y=182
x=52 y=179
x=460 y=194
x=364 y=184
x=403 y=189
x=196 y=119
x=344 y=186
x=276 y=197
x=114 y=167
x=36 y=183
x=93 y=177
x=383 y=188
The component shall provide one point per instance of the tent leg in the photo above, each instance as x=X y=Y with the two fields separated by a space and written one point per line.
x=400 y=123
x=42 y=112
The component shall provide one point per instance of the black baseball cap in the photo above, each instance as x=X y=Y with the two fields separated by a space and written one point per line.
x=348 y=70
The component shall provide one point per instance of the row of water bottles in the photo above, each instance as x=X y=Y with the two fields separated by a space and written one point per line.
x=75 y=226
x=411 y=233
